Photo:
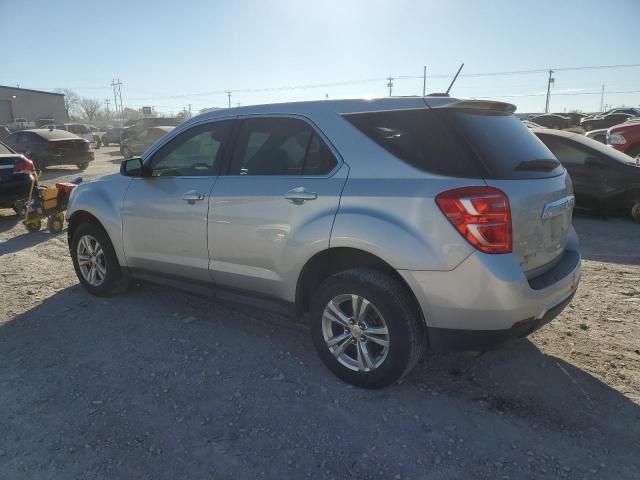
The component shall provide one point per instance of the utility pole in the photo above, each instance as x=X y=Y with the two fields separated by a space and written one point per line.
x=229 y=92
x=424 y=82
x=120 y=95
x=115 y=97
x=189 y=110
x=390 y=84
x=602 y=100
x=106 y=102
x=551 y=80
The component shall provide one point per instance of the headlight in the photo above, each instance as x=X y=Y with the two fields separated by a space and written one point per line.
x=615 y=139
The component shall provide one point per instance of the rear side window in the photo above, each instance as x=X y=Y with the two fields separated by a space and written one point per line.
x=280 y=146
x=460 y=142
x=421 y=138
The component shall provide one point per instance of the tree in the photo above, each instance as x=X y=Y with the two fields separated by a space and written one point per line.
x=71 y=100
x=90 y=107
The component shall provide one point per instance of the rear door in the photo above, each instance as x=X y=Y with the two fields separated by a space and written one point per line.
x=275 y=207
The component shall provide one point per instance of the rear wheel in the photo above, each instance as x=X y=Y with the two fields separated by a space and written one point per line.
x=366 y=328
x=33 y=225
x=82 y=166
x=95 y=261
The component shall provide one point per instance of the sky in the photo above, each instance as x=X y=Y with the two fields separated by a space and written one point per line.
x=169 y=54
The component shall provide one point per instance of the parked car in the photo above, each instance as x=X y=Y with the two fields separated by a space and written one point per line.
x=392 y=224
x=142 y=140
x=16 y=175
x=599 y=135
x=603 y=178
x=626 y=138
x=48 y=147
x=605 y=121
x=135 y=127
x=633 y=111
x=551 y=120
x=112 y=135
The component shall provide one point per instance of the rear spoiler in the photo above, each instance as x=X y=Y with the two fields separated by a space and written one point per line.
x=480 y=105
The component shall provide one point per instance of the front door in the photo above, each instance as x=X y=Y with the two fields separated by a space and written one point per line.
x=165 y=215
x=275 y=207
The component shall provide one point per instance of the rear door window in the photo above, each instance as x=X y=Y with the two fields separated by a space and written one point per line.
x=280 y=146
x=460 y=142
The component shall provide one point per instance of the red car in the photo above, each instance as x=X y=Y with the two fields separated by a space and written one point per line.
x=626 y=138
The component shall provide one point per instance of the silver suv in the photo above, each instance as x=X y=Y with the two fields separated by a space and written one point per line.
x=393 y=224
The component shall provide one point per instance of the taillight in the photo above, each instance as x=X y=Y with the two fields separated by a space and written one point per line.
x=24 y=165
x=482 y=216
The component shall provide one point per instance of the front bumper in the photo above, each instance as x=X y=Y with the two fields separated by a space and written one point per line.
x=487 y=298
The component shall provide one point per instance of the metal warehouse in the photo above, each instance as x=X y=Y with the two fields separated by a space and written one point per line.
x=30 y=105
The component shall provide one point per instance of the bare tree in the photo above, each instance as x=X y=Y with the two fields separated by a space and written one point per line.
x=90 y=107
x=71 y=100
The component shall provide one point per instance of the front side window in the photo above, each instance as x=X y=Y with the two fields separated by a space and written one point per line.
x=196 y=152
x=280 y=146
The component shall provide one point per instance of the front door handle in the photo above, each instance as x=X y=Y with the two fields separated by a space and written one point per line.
x=300 y=195
x=192 y=197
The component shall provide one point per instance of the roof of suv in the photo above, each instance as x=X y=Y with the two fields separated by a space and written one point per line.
x=354 y=106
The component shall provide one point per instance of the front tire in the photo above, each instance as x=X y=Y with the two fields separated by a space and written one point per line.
x=366 y=328
x=95 y=261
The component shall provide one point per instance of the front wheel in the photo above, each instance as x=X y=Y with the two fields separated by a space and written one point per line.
x=95 y=261
x=366 y=328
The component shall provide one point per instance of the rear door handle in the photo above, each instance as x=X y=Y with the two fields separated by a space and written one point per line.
x=300 y=195
x=192 y=197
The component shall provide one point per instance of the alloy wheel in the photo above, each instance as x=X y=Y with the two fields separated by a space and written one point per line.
x=355 y=332
x=91 y=260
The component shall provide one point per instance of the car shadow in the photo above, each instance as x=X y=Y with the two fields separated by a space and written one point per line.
x=26 y=240
x=154 y=375
x=8 y=220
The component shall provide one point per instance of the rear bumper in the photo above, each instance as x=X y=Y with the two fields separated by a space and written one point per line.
x=69 y=159
x=487 y=298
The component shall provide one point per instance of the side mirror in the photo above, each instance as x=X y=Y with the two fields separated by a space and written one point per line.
x=593 y=162
x=134 y=167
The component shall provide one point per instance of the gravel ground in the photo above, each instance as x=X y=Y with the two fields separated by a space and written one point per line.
x=160 y=384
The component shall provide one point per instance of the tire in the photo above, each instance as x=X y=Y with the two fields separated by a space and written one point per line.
x=55 y=223
x=105 y=142
x=33 y=225
x=111 y=279
x=587 y=127
x=82 y=166
x=635 y=211
x=20 y=207
x=390 y=305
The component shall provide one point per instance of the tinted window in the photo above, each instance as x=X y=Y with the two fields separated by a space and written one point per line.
x=505 y=146
x=421 y=138
x=192 y=153
x=280 y=146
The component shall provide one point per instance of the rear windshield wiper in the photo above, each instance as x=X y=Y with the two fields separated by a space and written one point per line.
x=538 y=165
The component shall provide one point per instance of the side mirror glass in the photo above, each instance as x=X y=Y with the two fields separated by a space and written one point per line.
x=134 y=167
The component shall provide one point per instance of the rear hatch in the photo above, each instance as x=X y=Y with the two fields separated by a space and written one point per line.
x=69 y=148
x=515 y=161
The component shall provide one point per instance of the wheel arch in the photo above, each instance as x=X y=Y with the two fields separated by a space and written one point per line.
x=337 y=259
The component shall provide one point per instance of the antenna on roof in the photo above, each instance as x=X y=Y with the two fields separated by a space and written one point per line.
x=454 y=79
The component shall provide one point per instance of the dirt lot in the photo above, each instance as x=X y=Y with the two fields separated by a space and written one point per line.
x=159 y=384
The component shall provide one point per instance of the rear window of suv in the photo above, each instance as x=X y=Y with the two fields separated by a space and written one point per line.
x=453 y=142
